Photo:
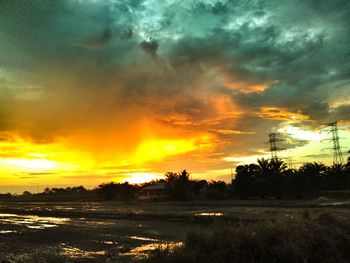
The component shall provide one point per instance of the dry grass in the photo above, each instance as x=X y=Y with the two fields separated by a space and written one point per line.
x=325 y=239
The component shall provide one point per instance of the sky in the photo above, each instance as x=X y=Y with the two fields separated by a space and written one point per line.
x=125 y=90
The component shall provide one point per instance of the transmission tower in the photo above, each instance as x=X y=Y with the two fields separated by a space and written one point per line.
x=273 y=141
x=290 y=161
x=336 y=149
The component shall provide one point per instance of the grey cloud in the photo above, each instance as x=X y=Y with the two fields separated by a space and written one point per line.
x=150 y=47
x=95 y=42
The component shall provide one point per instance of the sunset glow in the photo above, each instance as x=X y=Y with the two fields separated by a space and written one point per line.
x=97 y=91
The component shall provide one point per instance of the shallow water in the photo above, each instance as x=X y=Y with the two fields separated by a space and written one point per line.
x=31 y=221
x=80 y=238
x=209 y=214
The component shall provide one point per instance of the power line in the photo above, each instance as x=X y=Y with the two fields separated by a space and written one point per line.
x=290 y=161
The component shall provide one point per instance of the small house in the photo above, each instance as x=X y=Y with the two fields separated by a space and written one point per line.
x=154 y=191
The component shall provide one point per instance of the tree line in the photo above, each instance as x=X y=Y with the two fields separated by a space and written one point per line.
x=177 y=186
x=266 y=179
x=271 y=178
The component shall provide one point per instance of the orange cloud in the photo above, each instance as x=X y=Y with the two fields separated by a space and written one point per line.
x=245 y=86
x=231 y=132
x=279 y=113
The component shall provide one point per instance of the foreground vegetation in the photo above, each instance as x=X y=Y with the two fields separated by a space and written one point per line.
x=324 y=239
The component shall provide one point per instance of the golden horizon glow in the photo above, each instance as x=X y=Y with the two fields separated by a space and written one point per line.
x=141 y=177
x=27 y=161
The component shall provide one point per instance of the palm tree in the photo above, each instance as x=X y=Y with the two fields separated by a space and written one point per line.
x=183 y=177
x=272 y=167
x=264 y=166
x=277 y=166
x=171 y=177
x=313 y=169
x=336 y=169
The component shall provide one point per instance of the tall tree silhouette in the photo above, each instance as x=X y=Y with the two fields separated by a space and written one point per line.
x=277 y=166
x=264 y=166
x=313 y=169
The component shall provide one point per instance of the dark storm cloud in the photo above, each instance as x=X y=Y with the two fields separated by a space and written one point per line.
x=303 y=56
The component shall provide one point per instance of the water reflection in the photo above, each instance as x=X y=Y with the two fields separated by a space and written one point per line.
x=102 y=243
x=7 y=231
x=33 y=222
x=144 y=238
x=209 y=214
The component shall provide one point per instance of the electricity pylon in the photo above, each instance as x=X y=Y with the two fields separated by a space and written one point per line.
x=273 y=141
x=334 y=138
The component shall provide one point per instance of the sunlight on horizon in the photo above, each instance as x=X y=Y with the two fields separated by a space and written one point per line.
x=141 y=177
x=30 y=165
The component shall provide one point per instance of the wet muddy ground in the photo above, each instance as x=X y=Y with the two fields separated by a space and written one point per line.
x=23 y=238
x=120 y=232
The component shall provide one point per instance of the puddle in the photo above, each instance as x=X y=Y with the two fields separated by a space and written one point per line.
x=7 y=231
x=109 y=242
x=144 y=238
x=209 y=214
x=33 y=222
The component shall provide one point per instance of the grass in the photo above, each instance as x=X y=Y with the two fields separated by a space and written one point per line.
x=324 y=239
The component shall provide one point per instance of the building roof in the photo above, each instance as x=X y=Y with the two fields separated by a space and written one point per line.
x=157 y=186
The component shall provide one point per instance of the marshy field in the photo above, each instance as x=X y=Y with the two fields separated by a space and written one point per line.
x=202 y=231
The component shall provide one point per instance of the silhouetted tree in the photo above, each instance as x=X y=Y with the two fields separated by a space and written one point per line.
x=116 y=191
x=171 y=177
x=26 y=194
x=271 y=178
x=264 y=165
x=6 y=196
x=347 y=166
x=277 y=167
x=313 y=169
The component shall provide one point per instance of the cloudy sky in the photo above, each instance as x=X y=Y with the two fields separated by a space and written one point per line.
x=125 y=90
